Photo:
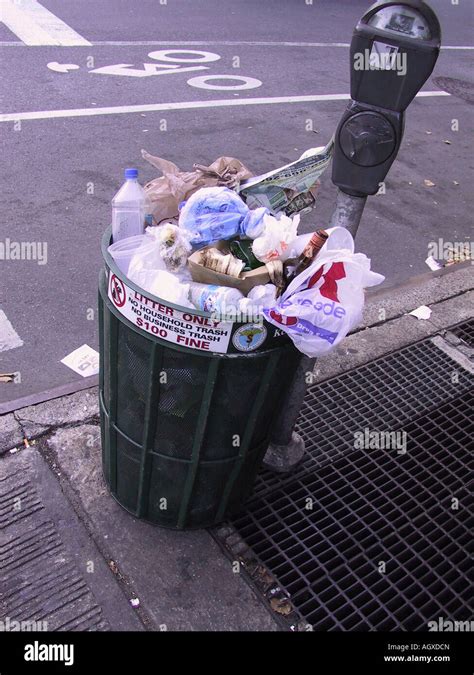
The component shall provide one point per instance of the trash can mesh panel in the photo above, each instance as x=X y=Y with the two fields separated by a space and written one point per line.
x=105 y=360
x=133 y=375
x=210 y=487
x=375 y=540
x=182 y=378
x=234 y=396
x=286 y=367
x=128 y=471
x=167 y=485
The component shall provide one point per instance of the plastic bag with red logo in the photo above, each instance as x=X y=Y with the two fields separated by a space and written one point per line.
x=325 y=302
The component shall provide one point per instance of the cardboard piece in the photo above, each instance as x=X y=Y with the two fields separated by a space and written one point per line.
x=244 y=283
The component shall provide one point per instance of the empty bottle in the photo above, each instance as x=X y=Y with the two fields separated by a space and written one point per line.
x=295 y=266
x=130 y=208
x=214 y=299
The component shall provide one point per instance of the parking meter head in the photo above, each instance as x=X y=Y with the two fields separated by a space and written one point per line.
x=394 y=49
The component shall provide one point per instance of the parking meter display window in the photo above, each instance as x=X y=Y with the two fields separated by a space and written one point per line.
x=402 y=19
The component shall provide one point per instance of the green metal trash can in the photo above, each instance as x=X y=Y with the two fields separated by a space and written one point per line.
x=186 y=403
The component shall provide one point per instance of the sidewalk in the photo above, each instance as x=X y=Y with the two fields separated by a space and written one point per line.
x=71 y=556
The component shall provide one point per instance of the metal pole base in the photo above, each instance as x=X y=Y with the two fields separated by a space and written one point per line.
x=284 y=458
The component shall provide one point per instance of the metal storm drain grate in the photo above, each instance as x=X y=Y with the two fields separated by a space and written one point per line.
x=383 y=395
x=375 y=539
x=465 y=332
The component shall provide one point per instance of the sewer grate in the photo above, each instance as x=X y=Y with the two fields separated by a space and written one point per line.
x=39 y=581
x=382 y=395
x=465 y=332
x=376 y=540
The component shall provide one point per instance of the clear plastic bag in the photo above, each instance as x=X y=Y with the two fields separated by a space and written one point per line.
x=216 y=213
x=173 y=245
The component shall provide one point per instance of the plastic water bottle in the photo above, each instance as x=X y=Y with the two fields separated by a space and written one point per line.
x=214 y=299
x=130 y=208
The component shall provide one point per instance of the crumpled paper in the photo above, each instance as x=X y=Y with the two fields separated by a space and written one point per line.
x=175 y=186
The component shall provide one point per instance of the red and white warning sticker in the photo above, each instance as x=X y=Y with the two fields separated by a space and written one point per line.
x=167 y=323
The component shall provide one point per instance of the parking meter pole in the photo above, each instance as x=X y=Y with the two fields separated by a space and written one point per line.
x=287 y=447
x=348 y=212
x=394 y=48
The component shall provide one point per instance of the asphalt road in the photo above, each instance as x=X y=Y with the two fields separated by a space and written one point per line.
x=61 y=169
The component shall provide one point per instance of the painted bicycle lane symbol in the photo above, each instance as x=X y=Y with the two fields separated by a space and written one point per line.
x=172 y=64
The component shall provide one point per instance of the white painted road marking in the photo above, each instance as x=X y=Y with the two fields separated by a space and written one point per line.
x=9 y=339
x=36 y=25
x=244 y=82
x=203 y=57
x=61 y=67
x=148 y=69
x=186 y=105
x=219 y=43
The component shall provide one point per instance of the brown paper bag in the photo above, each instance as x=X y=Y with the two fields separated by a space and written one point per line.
x=175 y=186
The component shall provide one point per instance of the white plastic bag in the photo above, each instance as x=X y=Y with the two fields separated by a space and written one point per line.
x=277 y=235
x=325 y=302
x=258 y=298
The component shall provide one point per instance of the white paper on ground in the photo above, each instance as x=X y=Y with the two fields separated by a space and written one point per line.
x=432 y=263
x=84 y=361
x=9 y=339
x=422 y=312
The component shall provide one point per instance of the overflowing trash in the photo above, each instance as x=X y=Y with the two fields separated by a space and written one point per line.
x=223 y=242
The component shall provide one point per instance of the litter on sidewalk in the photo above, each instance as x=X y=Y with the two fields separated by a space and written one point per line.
x=84 y=361
x=422 y=312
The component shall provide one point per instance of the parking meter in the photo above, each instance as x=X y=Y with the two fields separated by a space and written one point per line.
x=393 y=51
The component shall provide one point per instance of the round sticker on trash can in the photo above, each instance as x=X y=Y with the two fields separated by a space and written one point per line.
x=249 y=337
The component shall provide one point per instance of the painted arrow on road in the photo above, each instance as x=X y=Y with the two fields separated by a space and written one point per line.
x=149 y=69
x=61 y=67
